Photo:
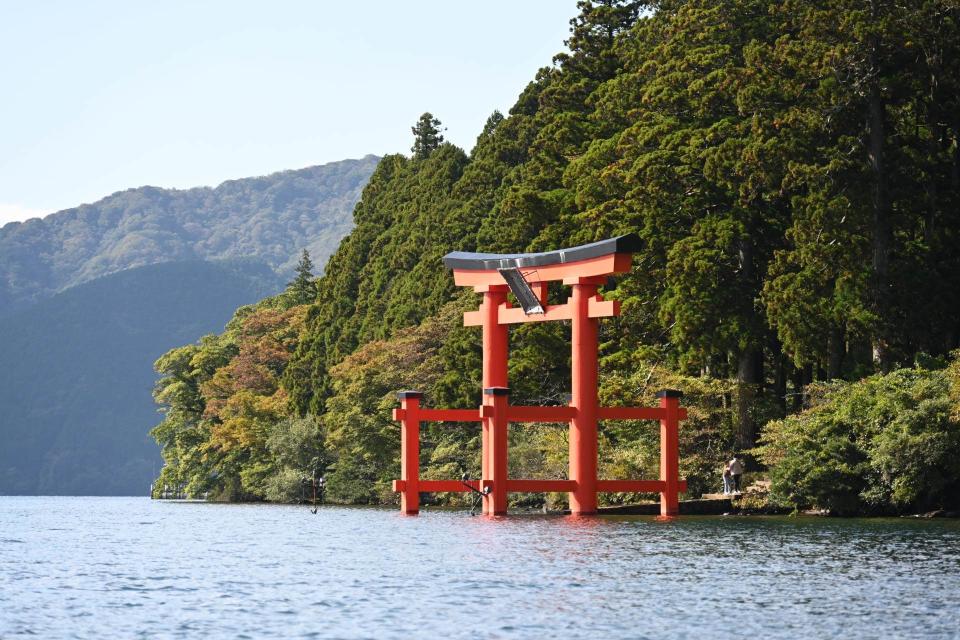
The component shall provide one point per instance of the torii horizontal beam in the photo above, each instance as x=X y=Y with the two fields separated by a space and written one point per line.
x=520 y=413
x=596 y=308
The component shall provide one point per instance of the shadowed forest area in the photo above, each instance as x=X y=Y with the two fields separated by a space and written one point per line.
x=793 y=171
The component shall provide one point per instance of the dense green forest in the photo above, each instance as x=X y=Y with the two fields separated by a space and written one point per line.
x=267 y=217
x=793 y=170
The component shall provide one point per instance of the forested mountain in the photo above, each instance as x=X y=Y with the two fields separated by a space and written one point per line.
x=793 y=170
x=270 y=217
x=76 y=377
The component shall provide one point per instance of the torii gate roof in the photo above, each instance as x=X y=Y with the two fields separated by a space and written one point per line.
x=465 y=260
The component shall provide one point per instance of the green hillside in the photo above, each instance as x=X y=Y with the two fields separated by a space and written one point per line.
x=792 y=169
x=76 y=376
x=270 y=218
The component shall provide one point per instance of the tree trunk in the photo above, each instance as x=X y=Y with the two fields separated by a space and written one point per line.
x=955 y=166
x=780 y=378
x=819 y=373
x=761 y=371
x=797 y=398
x=880 y=205
x=836 y=350
x=801 y=400
x=954 y=338
x=748 y=382
x=749 y=360
x=933 y=192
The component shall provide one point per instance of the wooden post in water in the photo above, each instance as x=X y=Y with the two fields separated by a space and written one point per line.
x=670 y=452
x=409 y=485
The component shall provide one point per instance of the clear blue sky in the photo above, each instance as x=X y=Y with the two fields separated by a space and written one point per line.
x=102 y=96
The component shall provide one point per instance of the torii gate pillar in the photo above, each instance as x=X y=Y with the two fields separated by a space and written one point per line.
x=584 y=379
x=495 y=356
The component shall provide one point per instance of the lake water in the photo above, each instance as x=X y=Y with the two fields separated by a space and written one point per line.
x=129 y=567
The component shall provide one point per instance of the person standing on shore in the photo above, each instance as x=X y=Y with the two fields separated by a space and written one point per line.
x=727 y=480
x=736 y=473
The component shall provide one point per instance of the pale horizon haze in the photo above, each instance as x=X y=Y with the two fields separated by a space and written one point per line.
x=105 y=96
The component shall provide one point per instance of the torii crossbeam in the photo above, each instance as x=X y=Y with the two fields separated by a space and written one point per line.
x=584 y=269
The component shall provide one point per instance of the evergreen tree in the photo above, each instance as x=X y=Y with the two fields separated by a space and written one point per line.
x=303 y=288
x=492 y=123
x=593 y=33
x=426 y=136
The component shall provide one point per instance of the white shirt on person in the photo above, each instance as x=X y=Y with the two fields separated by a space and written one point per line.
x=736 y=467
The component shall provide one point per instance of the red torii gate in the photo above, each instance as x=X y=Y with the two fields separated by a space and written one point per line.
x=585 y=269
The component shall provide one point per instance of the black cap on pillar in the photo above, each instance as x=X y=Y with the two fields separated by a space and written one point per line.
x=497 y=391
x=669 y=393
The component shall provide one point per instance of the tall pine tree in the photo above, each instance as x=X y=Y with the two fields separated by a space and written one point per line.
x=303 y=288
x=426 y=136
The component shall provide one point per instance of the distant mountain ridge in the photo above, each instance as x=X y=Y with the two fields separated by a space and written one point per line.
x=268 y=217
